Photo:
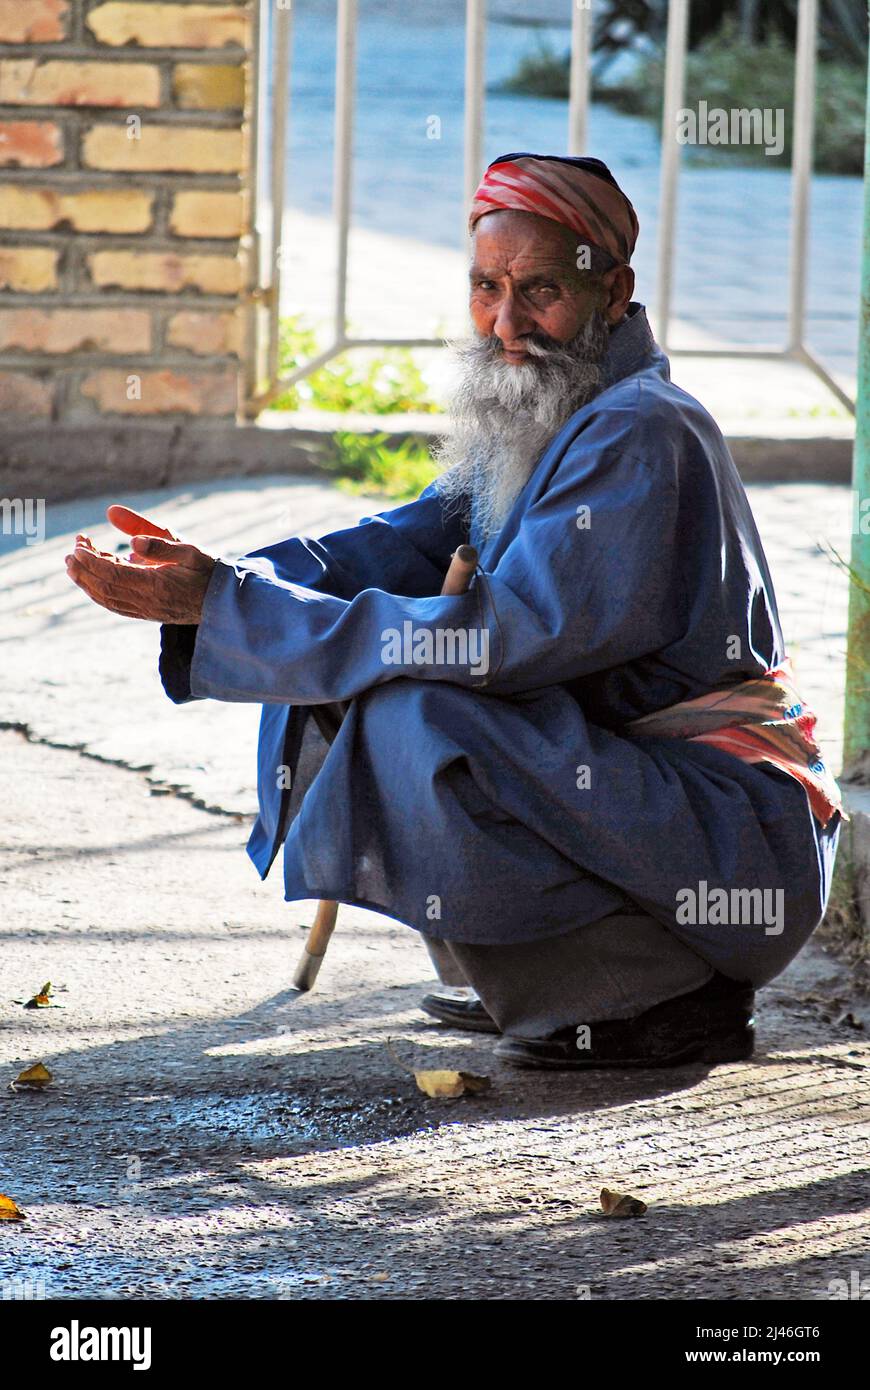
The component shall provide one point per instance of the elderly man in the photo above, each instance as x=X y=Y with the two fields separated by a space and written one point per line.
x=588 y=782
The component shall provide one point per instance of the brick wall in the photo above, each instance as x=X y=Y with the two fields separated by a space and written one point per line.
x=121 y=210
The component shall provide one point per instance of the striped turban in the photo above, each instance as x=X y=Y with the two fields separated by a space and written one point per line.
x=580 y=193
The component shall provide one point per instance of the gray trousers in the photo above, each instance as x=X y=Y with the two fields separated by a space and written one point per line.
x=617 y=967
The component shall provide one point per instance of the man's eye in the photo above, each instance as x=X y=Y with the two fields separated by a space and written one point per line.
x=544 y=290
x=484 y=285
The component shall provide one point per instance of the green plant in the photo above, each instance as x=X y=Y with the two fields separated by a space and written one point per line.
x=543 y=73
x=366 y=463
x=388 y=383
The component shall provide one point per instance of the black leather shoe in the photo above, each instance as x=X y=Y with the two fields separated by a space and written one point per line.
x=712 y=1024
x=461 y=1008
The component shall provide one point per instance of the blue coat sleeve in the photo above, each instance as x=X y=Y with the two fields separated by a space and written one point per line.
x=587 y=582
x=406 y=549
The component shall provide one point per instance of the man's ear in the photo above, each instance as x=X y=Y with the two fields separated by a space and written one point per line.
x=619 y=287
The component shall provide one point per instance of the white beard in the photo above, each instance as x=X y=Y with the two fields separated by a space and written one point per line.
x=504 y=416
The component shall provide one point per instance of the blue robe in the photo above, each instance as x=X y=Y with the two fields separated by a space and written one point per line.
x=500 y=800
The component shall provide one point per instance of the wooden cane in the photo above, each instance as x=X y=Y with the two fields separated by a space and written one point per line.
x=463 y=563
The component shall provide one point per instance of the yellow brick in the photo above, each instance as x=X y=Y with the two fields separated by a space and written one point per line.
x=208 y=87
x=30 y=144
x=163 y=270
x=183 y=149
x=160 y=393
x=207 y=334
x=33 y=21
x=207 y=214
x=169 y=26
x=24 y=208
x=29 y=269
x=28 y=82
x=75 y=330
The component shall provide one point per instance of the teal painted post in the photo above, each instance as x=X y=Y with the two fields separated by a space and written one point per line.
x=856 y=729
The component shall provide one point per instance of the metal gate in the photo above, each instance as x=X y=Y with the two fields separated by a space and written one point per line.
x=268 y=149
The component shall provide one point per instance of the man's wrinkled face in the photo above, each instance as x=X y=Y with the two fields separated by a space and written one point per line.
x=525 y=283
x=541 y=334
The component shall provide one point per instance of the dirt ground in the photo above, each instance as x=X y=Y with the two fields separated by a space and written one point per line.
x=210 y=1133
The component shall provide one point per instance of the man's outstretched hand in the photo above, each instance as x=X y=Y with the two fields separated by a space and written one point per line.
x=164 y=581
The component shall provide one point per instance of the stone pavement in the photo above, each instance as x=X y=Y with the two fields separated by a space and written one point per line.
x=87 y=679
x=211 y=1133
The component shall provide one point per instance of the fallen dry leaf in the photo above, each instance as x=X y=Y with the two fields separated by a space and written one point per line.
x=442 y=1085
x=37 y=1075
x=446 y=1085
x=621 y=1204
x=8 y=1210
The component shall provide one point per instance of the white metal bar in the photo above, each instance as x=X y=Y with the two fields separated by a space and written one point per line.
x=578 y=107
x=280 y=385
x=675 y=64
x=770 y=352
x=277 y=388
x=255 y=115
x=475 y=58
x=281 y=40
x=395 y=342
x=803 y=354
x=775 y=354
x=345 y=96
x=677 y=42
x=262 y=102
x=803 y=108
x=766 y=354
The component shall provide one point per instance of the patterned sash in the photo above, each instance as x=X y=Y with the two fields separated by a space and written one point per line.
x=760 y=721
